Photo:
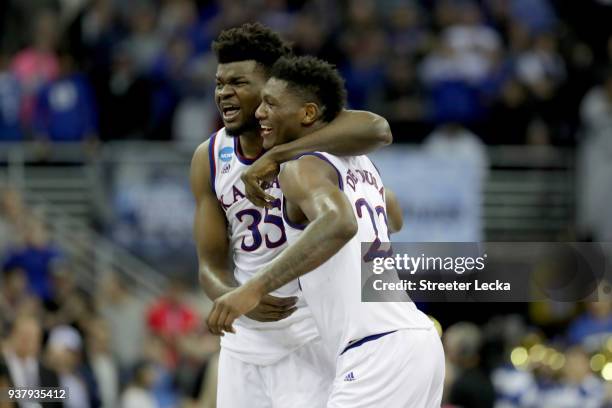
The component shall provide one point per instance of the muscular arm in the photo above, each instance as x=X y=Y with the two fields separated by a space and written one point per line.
x=351 y=133
x=395 y=219
x=311 y=185
x=209 y=230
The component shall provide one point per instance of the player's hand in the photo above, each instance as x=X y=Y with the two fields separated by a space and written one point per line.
x=257 y=177
x=272 y=309
x=229 y=307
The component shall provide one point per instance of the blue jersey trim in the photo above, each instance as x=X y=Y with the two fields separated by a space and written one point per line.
x=365 y=340
x=293 y=225
x=240 y=155
x=322 y=157
x=340 y=185
x=211 y=161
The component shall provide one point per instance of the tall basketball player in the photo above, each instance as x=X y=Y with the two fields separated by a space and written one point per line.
x=274 y=358
x=386 y=354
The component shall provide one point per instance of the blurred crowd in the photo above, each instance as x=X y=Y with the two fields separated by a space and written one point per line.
x=467 y=73
x=110 y=346
x=114 y=348
x=514 y=71
x=507 y=363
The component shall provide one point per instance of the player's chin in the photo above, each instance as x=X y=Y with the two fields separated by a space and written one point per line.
x=268 y=142
x=233 y=128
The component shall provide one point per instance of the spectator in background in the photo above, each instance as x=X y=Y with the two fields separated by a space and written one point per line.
x=35 y=257
x=64 y=353
x=37 y=64
x=14 y=295
x=144 y=44
x=578 y=386
x=13 y=217
x=138 y=393
x=171 y=77
x=468 y=383
x=170 y=318
x=10 y=102
x=454 y=140
x=510 y=115
x=596 y=107
x=401 y=100
x=409 y=35
x=21 y=356
x=101 y=361
x=364 y=69
x=125 y=111
x=594 y=169
x=592 y=328
x=66 y=110
x=541 y=68
x=99 y=31
x=124 y=313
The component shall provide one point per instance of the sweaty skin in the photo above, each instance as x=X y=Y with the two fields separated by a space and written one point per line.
x=310 y=186
x=210 y=232
x=237 y=95
x=363 y=132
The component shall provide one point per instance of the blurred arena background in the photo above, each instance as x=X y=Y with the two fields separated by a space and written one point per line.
x=501 y=112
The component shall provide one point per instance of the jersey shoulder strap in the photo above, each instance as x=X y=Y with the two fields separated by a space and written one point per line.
x=212 y=156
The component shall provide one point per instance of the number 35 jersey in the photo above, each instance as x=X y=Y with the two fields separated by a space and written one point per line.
x=256 y=236
x=333 y=290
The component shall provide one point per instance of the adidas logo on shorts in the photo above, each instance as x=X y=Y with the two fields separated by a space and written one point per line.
x=349 y=377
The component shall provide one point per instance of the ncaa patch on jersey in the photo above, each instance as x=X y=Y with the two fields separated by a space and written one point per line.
x=226 y=153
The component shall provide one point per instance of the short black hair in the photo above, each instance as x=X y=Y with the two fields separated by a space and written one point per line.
x=250 y=41
x=316 y=79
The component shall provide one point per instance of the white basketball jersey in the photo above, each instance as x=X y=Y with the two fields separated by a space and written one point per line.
x=333 y=290
x=256 y=236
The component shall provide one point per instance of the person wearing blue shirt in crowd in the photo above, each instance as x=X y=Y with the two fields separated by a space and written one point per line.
x=36 y=258
x=594 y=327
x=10 y=101
x=65 y=109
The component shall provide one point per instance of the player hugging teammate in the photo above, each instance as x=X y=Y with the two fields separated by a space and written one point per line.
x=312 y=342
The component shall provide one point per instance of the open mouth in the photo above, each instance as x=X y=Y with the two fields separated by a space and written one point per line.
x=230 y=112
x=265 y=130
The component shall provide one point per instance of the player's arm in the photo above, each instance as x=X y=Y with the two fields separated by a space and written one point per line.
x=395 y=219
x=312 y=186
x=351 y=133
x=210 y=232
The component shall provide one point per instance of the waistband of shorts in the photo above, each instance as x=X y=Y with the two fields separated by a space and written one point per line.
x=365 y=340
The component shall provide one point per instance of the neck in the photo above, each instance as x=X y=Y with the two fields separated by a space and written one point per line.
x=251 y=144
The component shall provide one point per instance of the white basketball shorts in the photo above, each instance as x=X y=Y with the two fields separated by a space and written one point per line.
x=302 y=379
x=403 y=369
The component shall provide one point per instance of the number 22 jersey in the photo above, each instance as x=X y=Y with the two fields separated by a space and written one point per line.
x=333 y=290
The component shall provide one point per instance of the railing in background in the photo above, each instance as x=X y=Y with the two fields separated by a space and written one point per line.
x=529 y=195
x=65 y=187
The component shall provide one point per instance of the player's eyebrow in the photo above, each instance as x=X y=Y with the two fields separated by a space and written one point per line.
x=230 y=78
x=269 y=98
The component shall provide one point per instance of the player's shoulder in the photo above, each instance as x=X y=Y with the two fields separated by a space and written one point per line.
x=313 y=164
x=203 y=151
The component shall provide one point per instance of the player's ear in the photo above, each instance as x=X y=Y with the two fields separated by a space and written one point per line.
x=311 y=113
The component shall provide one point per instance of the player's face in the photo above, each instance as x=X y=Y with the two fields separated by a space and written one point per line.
x=280 y=114
x=237 y=95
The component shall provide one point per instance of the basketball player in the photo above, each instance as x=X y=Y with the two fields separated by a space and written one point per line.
x=274 y=357
x=387 y=354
